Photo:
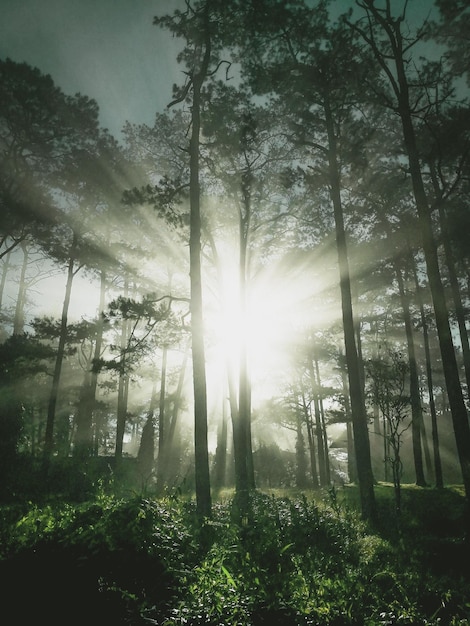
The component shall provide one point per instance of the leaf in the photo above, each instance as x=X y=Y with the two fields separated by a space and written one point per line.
x=286 y=547
x=228 y=575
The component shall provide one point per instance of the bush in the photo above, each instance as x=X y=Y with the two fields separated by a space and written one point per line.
x=114 y=557
x=289 y=561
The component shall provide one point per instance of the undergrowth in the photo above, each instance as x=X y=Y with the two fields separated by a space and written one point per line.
x=289 y=561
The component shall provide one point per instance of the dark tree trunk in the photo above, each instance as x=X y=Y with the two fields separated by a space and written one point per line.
x=162 y=434
x=358 y=411
x=84 y=444
x=175 y=411
x=51 y=410
x=352 y=469
x=244 y=469
x=146 y=453
x=301 y=460
x=323 y=423
x=5 y=268
x=416 y=409
x=123 y=386
x=429 y=378
x=202 y=477
x=83 y=439
x=318 y=425
x=18 y=323
x=311 y=443
x=220 y=461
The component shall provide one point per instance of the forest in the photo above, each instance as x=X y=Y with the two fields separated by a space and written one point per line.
x=234 y=352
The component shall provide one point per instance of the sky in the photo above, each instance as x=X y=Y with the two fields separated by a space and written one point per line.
x=108 y=50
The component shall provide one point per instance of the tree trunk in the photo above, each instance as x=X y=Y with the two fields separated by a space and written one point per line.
x=429 y=378
x=244 y=469
x=311 y=444
x=5 y=268
x=415 y=397
x=18 y=323
x=146 y=453
x=318 y=425
x=323 y=423
x=83 y=438
x=202 y=477
x=220 y=461
x=173 y=451
x=51 y=410
x=162 y=434
x=352 y=469
x=123 y=384
x=301 y=461
x=358 y=411
x=84 y=444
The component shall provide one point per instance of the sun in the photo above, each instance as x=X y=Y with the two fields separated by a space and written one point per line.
x=261 y=325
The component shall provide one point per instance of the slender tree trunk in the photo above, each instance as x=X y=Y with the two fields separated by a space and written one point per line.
x=51 y=410
x=357 y=326
x=323 y=423
x=122 y=385
x=320 y=443
x=311 y=444
x=85 y=444
x=162 y=434
x=358 y=411
x=415 y=397
x=244 y=456
x=429 y=378
x=146 y=453
x=83 y=438
x=318 y=425
x=203 y=494
x=301 y=461
x=352 y=469
x=18 y=323
x=5 y=268
x=178 y=397
x=233 y=394
x=96 y=356
x=220 y=461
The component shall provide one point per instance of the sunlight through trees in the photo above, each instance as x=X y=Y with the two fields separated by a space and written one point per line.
x=206 y=298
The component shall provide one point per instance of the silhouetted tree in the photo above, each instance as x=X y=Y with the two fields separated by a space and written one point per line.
x=385 y=36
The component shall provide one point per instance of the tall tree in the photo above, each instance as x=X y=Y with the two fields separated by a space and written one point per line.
x=246 y=158
x=384 y=34
x=38 y=126
x=314 y=69
x=198 y=26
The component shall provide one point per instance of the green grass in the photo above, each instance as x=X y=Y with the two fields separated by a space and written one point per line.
x=295 y=558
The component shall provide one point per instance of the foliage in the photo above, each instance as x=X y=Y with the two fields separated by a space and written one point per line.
x=22 y=359
x=109 y=558
x=292 y=560
x=387 y=387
